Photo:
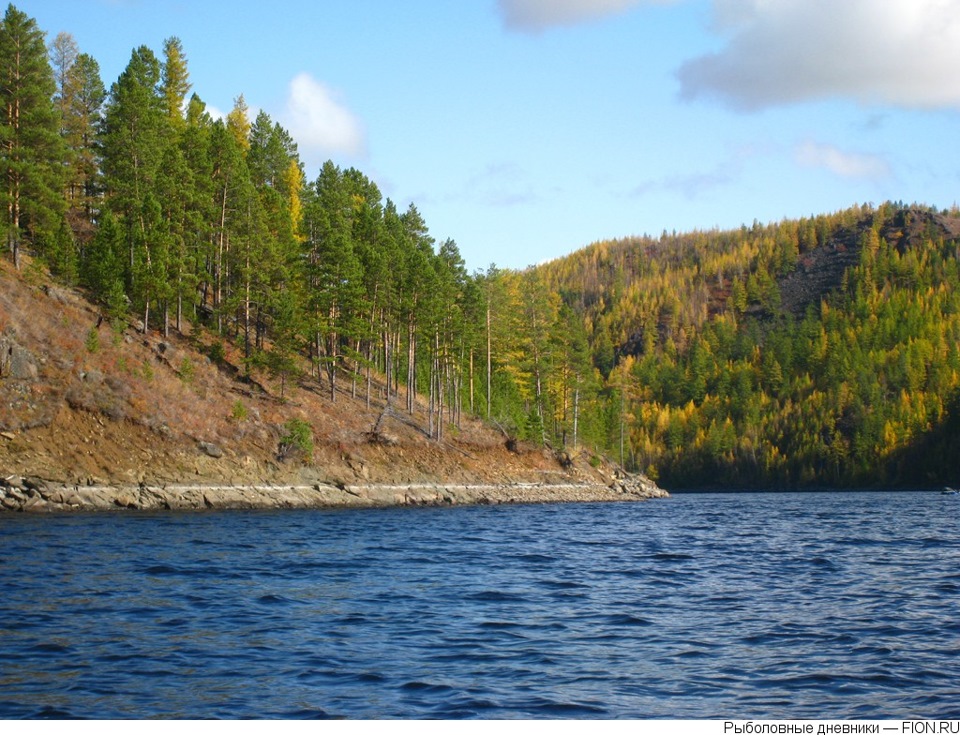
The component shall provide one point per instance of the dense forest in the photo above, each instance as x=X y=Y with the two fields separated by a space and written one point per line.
x=822 y=351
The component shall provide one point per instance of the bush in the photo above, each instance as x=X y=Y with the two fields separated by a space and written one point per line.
x=299 y=438
x=239 y=412
x=93 y=341
x=186 y=370
x=217 y=352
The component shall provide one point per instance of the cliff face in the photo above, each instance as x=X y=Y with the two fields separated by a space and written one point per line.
x=87 y=405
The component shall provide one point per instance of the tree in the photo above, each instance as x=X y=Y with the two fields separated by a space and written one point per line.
x=175 y=82
x=238 y=123
x=334 y=275
x=31 y=149
x=63 y=55
x=133 y=137
x=80 y=97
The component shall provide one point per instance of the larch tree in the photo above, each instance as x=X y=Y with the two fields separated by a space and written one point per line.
x=31 y=149
x=175 y=82
x=238 y=123
x=80 y=97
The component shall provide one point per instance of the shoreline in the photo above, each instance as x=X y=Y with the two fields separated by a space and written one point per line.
x=34 y=495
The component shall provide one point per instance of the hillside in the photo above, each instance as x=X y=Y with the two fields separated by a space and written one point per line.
x=812 y=352
x=83 y=403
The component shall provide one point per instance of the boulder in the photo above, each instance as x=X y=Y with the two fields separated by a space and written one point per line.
x=126 y=500
x=211 y=450
x=16 y=362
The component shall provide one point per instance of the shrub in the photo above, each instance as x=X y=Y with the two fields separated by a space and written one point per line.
x=93 y=340
x=298 y=438
x=186 y=370
x=239 y=411
x=217 y=352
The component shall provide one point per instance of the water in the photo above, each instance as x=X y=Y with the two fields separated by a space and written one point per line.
x=840 y=606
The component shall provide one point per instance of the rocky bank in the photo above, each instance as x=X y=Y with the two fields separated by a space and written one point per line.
x=34 y=495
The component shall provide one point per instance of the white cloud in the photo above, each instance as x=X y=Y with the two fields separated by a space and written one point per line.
x=846 y=164
x=903 y=53
x=319 y=122
x=216 y=113
x=537 y=15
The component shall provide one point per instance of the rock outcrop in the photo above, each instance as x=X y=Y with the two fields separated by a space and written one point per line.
x=35 y=495
x=16 y=362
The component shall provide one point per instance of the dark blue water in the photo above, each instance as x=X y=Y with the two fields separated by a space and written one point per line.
x=832 y=606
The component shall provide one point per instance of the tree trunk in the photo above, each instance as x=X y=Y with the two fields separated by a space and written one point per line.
x=576 y=408
x=489 y=360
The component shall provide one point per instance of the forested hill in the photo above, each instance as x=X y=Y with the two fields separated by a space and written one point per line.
x=822 y=351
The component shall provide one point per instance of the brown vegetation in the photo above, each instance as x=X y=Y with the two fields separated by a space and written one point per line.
x=112 y=405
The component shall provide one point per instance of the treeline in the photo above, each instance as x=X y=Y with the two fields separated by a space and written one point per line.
x=167 y=215
x=820 y=351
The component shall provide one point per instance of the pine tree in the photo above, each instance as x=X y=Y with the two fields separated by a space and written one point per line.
x=333 y=272
x=31 y=149
x=133 y=138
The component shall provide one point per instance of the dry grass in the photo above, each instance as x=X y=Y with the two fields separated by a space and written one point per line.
x=118 y=404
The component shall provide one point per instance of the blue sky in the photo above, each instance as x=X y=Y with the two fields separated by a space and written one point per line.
x=527 y=129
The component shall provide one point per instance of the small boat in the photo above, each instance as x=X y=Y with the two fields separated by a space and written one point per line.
x=950 y=491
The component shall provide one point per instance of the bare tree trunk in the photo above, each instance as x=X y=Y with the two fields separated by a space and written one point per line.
x=411 y=365
x=576 y=408
x=489 y=359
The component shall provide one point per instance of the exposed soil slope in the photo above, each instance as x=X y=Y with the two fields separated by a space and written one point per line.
x=821 y=270
x=83 y=404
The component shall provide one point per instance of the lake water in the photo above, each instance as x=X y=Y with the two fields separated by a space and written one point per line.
x=834 y=606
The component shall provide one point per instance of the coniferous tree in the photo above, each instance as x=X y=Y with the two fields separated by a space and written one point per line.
x=133 y=139
x=333 y=272
x=82 y=102
x=175 y=83
x=31 y=149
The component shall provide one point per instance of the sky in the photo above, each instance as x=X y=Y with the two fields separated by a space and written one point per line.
x=527 y=129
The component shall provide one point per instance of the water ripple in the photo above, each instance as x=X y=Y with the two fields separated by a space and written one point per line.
x=826 y=606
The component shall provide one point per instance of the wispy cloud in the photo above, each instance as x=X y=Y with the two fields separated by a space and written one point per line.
x=319 y=122
x=846 y=164
x=691 y=186
x=903 y=53
x=696 y=184
x=538 y=15
x=500 y=185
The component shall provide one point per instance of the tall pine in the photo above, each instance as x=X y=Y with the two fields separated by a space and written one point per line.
x=31 y=149
x=133 y=137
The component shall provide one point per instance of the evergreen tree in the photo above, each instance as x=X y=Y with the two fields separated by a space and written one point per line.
x=31 y=149
x=333 y=273
x=133 y=139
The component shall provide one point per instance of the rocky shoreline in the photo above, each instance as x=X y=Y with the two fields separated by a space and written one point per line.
x=35 y=495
